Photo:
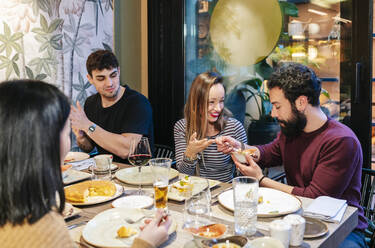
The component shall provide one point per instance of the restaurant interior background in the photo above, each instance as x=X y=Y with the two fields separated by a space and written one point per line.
x=162 y=45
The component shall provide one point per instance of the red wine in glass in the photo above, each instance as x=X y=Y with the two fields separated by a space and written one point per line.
x=139 y=155
x=139 y=159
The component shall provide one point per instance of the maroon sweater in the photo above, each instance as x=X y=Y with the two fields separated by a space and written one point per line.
x=325 y=162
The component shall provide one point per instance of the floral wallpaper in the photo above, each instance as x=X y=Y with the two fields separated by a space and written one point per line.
x=50 y=40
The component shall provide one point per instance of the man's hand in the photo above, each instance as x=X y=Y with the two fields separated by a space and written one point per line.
x=252 y=169
x=227 y=144
x=196 y=146
x=79 y=119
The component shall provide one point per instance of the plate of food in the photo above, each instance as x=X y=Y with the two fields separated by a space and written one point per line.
x=240 y=155
x=70 y=211
x=271 y=202
x=132 y=176
x=72 y=176
x=208 y=232
x=64 y=170
x=92 y=192
x=196 y=184
x=75 y=156
x=110 y=228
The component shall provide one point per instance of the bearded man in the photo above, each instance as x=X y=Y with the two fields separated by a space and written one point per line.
x=321 y=156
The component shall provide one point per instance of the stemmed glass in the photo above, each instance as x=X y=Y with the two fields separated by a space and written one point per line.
x=139 y=155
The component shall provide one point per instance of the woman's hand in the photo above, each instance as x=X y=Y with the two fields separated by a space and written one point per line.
x=227 y=144
x=251 y=169
x=196 y=146
x=156 y=231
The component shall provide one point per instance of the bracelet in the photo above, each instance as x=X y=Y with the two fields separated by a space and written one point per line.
x=261 y=179
x=188 y=159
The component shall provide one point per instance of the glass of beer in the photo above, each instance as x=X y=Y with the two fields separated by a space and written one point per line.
x=160 y=169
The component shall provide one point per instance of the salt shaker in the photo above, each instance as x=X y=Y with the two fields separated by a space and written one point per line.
x=298 y=224
x=281 y=230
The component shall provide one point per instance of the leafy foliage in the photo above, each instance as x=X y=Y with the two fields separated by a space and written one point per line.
x=81 y=87
x=9 y=41
x=255 y=88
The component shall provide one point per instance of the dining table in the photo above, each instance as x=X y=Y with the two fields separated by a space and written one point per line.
x=335 y=235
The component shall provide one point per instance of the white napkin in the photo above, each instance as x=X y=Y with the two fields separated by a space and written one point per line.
x=326 y=208
x=83 y=164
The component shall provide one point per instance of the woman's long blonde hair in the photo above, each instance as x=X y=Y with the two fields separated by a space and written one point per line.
x=197 y=104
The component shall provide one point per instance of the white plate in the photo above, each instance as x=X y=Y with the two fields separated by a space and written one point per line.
x=72 y=176
x=268 y=242
x=131 y=176
x=199 y=184
x=101 y=231
x=275 y=202
x=99 y=199
x=70 y=211
x=133 y=201
x=75 y=156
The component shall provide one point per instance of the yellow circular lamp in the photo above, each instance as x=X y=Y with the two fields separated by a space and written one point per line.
x=244 y=32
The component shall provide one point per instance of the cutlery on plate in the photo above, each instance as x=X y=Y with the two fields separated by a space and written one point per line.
x=132 y=221
x=77 y=224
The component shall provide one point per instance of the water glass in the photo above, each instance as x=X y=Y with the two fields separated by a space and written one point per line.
x=101 y=169
x=245 y=198
x=197 y=211
x=160 y=169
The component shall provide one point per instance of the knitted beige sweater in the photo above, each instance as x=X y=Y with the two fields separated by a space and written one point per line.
x=50 y=231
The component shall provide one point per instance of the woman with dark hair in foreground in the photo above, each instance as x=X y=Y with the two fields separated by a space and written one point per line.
x=34 y=135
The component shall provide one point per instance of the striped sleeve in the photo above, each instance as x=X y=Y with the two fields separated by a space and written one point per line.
x=239 y=131
x=180 y=148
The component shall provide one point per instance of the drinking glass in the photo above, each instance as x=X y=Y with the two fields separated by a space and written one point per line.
x=197 y=211
x=139 y=155
x=101 y=169
x=160 y=171
x=245 y=198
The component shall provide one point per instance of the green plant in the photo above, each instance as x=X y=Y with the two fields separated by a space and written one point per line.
x=256 y=90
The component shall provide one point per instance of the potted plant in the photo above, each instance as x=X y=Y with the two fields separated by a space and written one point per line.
x=263 y=128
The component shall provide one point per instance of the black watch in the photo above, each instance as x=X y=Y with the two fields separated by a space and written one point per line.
x=92 y=128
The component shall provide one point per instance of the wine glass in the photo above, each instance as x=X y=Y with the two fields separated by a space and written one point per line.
x=139 y=155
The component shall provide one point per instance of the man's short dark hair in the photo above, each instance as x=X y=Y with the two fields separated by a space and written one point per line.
x=296 y=80
x=100 y=60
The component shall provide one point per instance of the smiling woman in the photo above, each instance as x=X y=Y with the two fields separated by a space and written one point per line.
x=205 y=120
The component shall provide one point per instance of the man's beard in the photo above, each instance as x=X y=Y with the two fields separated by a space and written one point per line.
x=295 y=125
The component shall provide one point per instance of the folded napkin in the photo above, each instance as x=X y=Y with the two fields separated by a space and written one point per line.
x=326 y=208
x=83 y=164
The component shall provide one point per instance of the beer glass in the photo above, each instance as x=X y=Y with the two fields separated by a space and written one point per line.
x=160 y=169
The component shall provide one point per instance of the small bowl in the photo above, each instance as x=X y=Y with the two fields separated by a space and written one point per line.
x=268 y=242
x=240 y=155
x=240 y=241
x=208 y=232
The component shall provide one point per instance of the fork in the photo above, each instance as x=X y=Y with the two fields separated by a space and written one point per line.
x=242 y=146
x=131 y=221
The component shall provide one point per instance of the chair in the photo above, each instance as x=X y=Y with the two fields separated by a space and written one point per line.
x=164 y=151
x=367 y=202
